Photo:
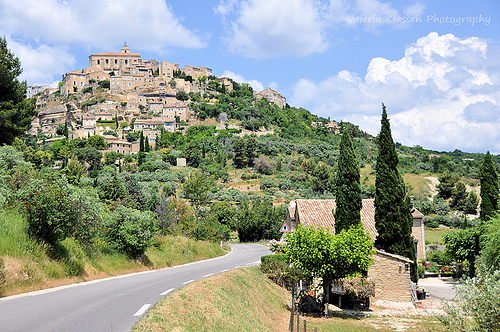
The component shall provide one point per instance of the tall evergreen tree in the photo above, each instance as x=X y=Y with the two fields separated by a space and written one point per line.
x=349 y=198
x=489 y=188
x=141 y=142
x=16 y=112
x=393 y=219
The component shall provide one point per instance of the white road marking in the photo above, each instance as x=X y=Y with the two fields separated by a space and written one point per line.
x=207 y=275
x=224 y=270
x=143 y=309
x=187 y=282
x=167 y=291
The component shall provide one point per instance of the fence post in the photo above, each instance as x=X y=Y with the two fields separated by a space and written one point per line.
x=305 y=325
x=290 y=325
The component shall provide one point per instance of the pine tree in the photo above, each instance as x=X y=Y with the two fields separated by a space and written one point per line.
x=16 y=112
x=393 y=219
x=349 y=198
x=489 y=189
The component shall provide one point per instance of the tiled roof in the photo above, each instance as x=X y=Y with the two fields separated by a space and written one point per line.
x=417 y=214
x=320 y=213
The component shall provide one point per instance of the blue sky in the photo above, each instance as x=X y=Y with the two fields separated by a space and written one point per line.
x=435 y=64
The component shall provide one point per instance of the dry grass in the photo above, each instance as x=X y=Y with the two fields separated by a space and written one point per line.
x=239 y=300
x=245 y=300
x=435 y=235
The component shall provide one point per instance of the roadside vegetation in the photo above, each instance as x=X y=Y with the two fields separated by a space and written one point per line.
x=246 y=300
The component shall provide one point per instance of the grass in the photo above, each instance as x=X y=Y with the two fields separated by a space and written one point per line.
x=246 y=300
x=26 y=265
x=435 y=235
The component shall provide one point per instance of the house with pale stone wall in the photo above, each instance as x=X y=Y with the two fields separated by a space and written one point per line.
x=390 y=272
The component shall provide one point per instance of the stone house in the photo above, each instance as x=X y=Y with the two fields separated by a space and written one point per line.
x=272 y=96
x=390 y=272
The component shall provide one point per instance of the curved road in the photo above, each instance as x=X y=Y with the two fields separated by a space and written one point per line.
x=113 y=304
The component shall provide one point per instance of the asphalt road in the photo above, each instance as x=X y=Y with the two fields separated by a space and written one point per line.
x=441 y=288
x=113 y=304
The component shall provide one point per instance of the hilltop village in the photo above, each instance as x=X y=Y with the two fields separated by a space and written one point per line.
x=121 y=92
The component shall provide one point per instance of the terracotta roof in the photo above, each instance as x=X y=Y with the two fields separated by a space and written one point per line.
x=398 y=257
x=117 y=54
x=417 y=214
x=319 y=213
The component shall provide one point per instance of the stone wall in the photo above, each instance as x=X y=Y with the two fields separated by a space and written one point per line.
x=391 y=276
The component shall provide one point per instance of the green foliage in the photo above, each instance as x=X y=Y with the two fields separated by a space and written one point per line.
x=349 y=200
x=278 y=269
x=489 y=188
x=490 y=245
x=328 y=256
x=393 y=219
x=16 y=112
x=259 y=220
x=462 y=245
x=104 y=84
x=475 y=305
x=446 y=184
x=97 y=142
x=48 y=210
x=181 y=95
x=130 y=231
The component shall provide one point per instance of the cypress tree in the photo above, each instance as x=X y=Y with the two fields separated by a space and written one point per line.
x=141 y=142
x=489 y=189
x=393 y=219
x=349 y=199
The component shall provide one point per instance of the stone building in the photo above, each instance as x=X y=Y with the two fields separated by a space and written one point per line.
x=167 y=69
x=390 y=272
x=196 y=72
x=115 y=62
x=272 y=96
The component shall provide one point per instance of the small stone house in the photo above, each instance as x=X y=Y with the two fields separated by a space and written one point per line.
x=390 y=272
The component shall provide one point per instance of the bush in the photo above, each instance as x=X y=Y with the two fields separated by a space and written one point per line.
x=433 y=224
x=278 y=269
x=130 y=231
x=475 y=305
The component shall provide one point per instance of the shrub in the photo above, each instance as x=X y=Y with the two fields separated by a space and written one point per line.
x=278 y=269
x=130 y=231
x=475 y=305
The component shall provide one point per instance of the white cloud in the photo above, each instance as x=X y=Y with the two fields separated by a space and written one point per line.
x=256 y=85
x=443 y=94
x=39 y=63
x=269 y=28
x=148 y=25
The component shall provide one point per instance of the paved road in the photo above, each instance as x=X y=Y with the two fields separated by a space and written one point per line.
x=113 y=304
x=441 y=288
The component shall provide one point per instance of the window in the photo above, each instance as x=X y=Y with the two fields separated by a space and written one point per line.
x=116 y=61
x=126 y=62
x=74 y=82
x=81 y=83
x=98 y=61
x=107 y=61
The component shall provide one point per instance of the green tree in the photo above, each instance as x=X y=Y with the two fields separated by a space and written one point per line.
x=393 y=218
x=239 y=158
x=250 y=146
x=96 y=141
x=459 y=195
x=470 y=204
x=349 y=199
x=490 y=245
x=489 y=189
x=198 y=189
x=330 y=257
x=446 y=184
x=462 y=245
x=181 y=95
x=16 y=112
x=130 y=231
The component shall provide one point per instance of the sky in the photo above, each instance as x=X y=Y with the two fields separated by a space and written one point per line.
x=434 y=64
